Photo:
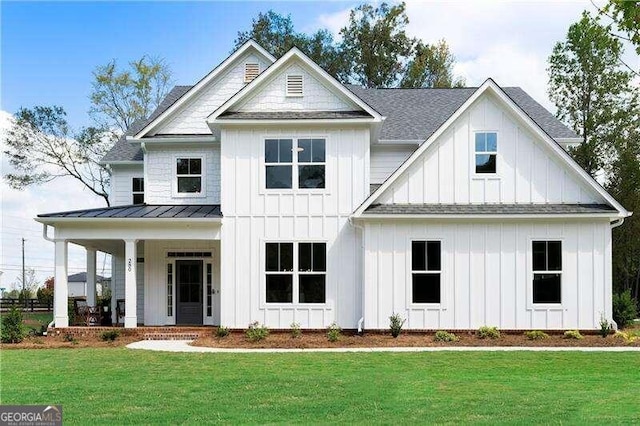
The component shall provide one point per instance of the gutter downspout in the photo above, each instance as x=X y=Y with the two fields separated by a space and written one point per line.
x=361 y=228
x=45 y=228
x=617 y=222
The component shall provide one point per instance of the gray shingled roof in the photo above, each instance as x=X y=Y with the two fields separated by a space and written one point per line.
x=81 y=277
x=145 y=211
x=294 y=115
x=415 y=114
x=412 y=114
x=487 y=209
x=127 y=151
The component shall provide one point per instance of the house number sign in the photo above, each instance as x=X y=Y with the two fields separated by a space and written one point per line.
x=129 y=265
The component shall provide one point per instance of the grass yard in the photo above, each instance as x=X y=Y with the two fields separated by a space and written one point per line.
x=117 y=386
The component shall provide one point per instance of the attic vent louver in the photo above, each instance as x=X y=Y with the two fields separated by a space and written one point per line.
x=294 y=85
x=251 y=71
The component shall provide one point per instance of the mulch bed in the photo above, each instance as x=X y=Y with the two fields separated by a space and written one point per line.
x=319 y=340
x=59 y=342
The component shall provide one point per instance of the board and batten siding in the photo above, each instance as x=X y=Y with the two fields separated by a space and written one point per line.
x=160 y=174
x=385 y=159
x=254 y=215
x=487 y=274
x=527 y=170
x=121 y=193
x=316 y=96
x=191 y=119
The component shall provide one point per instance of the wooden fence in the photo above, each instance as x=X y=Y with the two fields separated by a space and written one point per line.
x=29 y=305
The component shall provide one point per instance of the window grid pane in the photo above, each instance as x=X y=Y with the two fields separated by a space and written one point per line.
x=546 y=264
x=426 y=264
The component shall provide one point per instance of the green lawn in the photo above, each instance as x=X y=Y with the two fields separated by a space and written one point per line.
x=117 y=386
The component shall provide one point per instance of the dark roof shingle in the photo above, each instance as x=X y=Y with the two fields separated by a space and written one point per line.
x=486 y=209
x=143 y=211
x=294 y=115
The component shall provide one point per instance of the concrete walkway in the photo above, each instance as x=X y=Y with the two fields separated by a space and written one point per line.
x=184 y=346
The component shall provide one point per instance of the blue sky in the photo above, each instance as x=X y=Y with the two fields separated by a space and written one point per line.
x=49 y=50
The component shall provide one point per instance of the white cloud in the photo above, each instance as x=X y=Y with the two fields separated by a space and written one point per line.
x=333 y=22
x=19 y=208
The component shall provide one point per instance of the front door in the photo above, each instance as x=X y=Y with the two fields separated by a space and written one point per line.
x=189 y=289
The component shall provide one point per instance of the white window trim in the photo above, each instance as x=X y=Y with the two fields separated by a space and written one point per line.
x=327 y=305
x=203 y=176
x=286 y=86
x=134 y=193
x=443 y=275
x=484 y=176
x=544 y=306
x=294 y=164
x=245 y=71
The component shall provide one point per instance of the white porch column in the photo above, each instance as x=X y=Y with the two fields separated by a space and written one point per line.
x=130 y=261
x=61 y=289
x=91 y=277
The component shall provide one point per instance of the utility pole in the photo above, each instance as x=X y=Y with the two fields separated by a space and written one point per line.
x=23 y=274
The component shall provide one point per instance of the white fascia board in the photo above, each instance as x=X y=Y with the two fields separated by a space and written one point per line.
x=121 y=163
x=398 y=142
x=546 y=216
x=293 y=52
x=250 y=44
x=175 y=140
x=490 y=85
x=568 y=140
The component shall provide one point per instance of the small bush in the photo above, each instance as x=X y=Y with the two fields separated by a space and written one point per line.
x=13 y=330
x=627 y=337
x=536 y=335
x=605 y=327
x=68 y=337
x=445 y=336
x=573 y=334
x=485 y=332
x=624 y=308
x=296 y=331
x=222 y=332
x=333 y=332
x=395 y=324
x=257 y=332
x=110 y=335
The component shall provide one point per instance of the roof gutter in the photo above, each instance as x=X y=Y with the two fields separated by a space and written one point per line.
x=128 y=220
x=480 y=216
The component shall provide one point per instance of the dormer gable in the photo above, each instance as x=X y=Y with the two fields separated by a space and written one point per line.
x=188 y=113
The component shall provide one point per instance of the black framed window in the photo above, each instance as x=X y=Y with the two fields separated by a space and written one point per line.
x=547 y=271
x=426 y=272
x=137 y=190
x=189 y=175
x=486 y=152
x=278 y=159
x=296 y=272
x=311 y=163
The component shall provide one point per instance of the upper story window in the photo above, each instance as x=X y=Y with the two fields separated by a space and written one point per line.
x=137 y=189
x=426 y=259
x=251 y=71
x=486 y=152
x=294 y=85
x=547 y=271
x=306 y=170
x=189 y=175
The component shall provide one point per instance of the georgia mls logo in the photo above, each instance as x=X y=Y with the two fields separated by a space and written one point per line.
x=30 y=415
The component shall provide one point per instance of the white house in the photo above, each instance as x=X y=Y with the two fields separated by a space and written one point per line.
x=78 y=285
x=270 y=192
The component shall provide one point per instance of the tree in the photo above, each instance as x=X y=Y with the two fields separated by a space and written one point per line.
x=589 y=89
x=277 y=35
x=376 y=42
x=431 y=66
x=41 y=148
x=45 y=293
x=28 y=289
x=626 y=15
x=121 y=97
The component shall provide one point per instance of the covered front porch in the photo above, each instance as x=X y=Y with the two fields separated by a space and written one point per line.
x=165 y=262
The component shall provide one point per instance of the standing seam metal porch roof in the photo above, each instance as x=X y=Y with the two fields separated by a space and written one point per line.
x=143 y=211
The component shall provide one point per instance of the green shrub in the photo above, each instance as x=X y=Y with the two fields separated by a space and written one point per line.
x=68 y=337
x=395 y=324
x=12 y=328
x=110 y=335
x=536 y=335
x=333 y=332
x=257 y=332
x=485 y=332
x=626 y=336
x=573 y=334
x=222 y=331
x=296 y=331
x=445 y=336
x=605 y=327
x=624 y=308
